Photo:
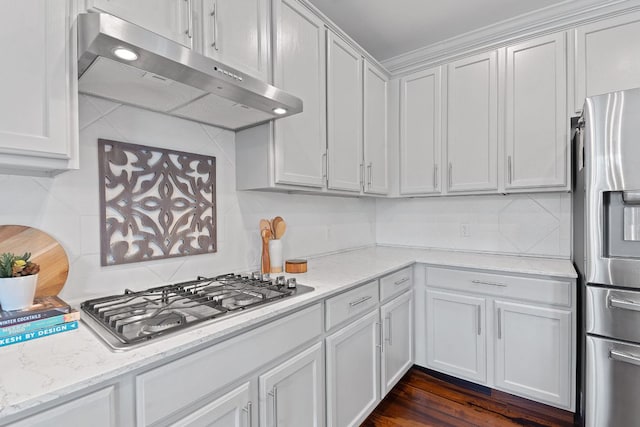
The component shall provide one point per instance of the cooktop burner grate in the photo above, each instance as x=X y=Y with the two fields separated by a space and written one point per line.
x=135 y=317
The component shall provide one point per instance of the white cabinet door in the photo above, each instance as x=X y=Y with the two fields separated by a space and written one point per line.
x=172 y=19
x=608 y=57
x=299 y=68
x=38 y=87
x=375 y=130
x=292 y=393
x=420 y=132
x=456 y=335
x=97 y=409
x=352 y=372
x=533 y=352
x=472 y=124
x=536 y=141
x=233 y=409
x=344 y=114
x=236 y=32
x=397 y=354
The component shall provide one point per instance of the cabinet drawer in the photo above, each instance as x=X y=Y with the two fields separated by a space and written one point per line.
x=349 y=304
x=173 y=387
x=548 y=291
x=396 y=283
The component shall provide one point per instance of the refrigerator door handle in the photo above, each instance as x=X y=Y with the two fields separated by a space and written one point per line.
x=624 y=304
x=621 y=356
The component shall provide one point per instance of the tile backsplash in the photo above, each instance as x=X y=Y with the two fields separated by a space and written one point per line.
x=523 y=224
x=67 y=207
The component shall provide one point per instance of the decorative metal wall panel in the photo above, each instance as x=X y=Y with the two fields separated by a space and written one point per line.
x=155 y=203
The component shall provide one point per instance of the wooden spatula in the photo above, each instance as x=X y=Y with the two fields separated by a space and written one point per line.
x=266 y=263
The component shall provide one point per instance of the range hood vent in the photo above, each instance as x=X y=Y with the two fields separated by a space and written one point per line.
x=170 y=78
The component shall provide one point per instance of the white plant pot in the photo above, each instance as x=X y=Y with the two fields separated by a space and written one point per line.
x=16 y=293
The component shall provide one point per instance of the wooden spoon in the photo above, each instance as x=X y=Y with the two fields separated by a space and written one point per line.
x=281 y=227
x=276 y=223
x=266 y=262
x=265 y=225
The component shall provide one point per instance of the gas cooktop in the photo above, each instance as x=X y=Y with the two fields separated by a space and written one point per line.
x=133 y=318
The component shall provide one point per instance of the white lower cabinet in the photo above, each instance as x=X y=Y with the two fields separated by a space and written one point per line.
x=353 y=364
x=533 y=358
x=397 y=354
x=97 y=409
x=292 y=393
x=233 y=409
x=524 y=345
x=456 y=337
x=368 y=356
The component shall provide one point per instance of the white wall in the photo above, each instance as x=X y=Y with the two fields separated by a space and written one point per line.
x=536 y=225
x=67 y=207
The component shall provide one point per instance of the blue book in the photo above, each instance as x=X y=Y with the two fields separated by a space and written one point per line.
x=40 y=333
x=22 y=328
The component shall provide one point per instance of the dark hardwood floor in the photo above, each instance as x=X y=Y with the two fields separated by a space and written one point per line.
x=426 y=398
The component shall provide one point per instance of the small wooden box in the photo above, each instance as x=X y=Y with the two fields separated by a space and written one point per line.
x=295 y=266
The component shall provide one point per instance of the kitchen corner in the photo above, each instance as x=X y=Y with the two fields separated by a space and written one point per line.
x=50 y=369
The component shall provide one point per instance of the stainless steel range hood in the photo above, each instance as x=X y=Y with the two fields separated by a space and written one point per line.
x=170 y=78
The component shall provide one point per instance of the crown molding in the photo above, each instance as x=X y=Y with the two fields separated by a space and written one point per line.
x=555 y=18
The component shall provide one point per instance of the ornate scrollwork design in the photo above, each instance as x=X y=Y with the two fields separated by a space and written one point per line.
x=155 y=203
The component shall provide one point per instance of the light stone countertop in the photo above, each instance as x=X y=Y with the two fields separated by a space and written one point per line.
x=39 y=371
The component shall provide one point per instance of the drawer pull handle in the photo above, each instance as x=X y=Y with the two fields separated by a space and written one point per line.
x=479 y=319
x=359 y=301
x=401 y=281
x=380 y=339
x=624 y=304
x=482 y=282
x=624 y=357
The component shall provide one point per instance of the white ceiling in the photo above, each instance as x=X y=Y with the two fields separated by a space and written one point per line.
x=387 y=28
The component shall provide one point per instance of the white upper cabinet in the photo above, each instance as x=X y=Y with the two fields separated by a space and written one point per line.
x=375 y=130
x=299 y=68
x=420 y=132
x=536 y=141
x=608 y=57
x=344 y=115
x=38 y=105
x=172 y=19
x=236 y=32
x=472 y=124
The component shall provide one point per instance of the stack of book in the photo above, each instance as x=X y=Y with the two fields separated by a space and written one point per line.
x=47 y=316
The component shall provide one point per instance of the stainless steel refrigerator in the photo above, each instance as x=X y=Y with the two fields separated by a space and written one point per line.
x=607 y=256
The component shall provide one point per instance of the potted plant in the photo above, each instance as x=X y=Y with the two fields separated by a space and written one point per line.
x=18 y=280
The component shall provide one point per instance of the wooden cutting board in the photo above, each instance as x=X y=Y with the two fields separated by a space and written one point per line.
x=45 y=250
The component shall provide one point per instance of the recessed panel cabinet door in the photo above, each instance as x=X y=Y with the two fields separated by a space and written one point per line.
x=236 y=32
x=536 y=139
x=38 y=88
x=420 y=132
x=352 y=372
x=299 y=68
x=397 y=357
x=375 y=130
x=472 y=124
x=233 y=409
x=607 y=57
x=169 y=18
x=292 y=394
x=344 y=114
x=456 y=335
x=533 y=358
